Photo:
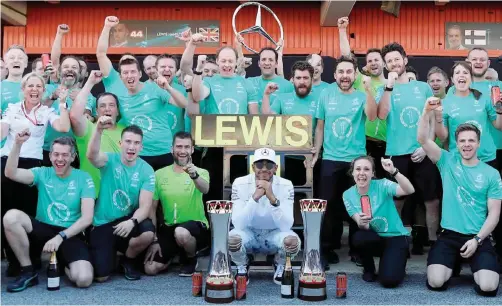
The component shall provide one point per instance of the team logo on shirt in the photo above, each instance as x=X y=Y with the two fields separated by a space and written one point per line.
x=58 y=212
x=464 y=197
x=379 y=224
x=342 y=128
x=228 y=106
x=143 y=121
x=172 y=119
x=409 y=117
x=118 y=173
x=478 y=182
x=121 y=200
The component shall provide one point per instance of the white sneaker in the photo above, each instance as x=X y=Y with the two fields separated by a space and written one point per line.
x=279 y=270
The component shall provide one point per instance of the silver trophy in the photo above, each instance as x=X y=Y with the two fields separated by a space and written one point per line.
x=219 y=280
x=257 y=28
x=312 y=282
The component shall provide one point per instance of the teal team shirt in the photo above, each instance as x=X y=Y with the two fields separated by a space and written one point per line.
x=319 y=88
x=120 y=188
x=228 y=95
x=386 y=221
x=59 y=199
x=11 y=93
x=176 y=115
x=458 y=110
x=292 y=104
x=466 y=190
x=114 y=84
x=259 y=84
x=406 y=105
x=485 y=87
x=344 y=117
x=148 y=109
x=51 y=134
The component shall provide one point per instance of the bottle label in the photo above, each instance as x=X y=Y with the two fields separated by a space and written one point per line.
x=286 y=289
x=53 y=282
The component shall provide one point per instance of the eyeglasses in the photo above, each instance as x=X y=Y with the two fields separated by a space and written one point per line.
x=261 y=164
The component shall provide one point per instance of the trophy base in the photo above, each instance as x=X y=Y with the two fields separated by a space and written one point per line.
x=220 y=293
x=312 y=292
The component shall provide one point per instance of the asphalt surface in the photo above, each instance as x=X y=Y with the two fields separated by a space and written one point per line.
x=171 y=289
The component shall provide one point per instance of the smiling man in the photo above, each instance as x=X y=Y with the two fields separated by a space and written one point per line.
x=16 y=62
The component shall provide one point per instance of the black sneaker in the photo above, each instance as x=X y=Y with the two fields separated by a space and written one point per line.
x=130 y=271
x=369 y=276
x=188 y=268
x=23 y=281
x=355 y=258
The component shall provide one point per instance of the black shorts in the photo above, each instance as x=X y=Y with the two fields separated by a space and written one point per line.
x=168 y=244
x=422 y=175
x=159 y=161
x=446 y=250
x=104 y=244
x=70 y=250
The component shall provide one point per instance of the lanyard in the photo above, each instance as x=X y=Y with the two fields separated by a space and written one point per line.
x=35 y=122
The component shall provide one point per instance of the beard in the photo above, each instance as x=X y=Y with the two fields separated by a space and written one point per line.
x=181 y=163
x=307 y=92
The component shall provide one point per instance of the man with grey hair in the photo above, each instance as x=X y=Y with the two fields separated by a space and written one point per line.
x=65 y=208
x=263 y=215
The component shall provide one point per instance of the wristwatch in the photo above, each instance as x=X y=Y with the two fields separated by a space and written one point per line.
x=478 y=239
x=188 y=90
x=196 y=176
x=389 y=89
x=395 y=173
x=63 y=235
x=197 y=72
x=135 y=221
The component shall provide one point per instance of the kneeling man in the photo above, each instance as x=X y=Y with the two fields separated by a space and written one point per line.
x=65 y=209
x=472 y=191
x=262 y=215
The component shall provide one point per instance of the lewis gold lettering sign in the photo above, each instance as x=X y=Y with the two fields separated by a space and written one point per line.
x=251 y=131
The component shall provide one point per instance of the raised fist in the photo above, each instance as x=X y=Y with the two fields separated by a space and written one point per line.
x=111 y=21
x=432 y=103
x=343 y=22
x=162 y=82
x=104 y=122
x=95 y=77
x=22 y=136
x=197 y=39
x=63 y=29
x=391 y=79
x=201 y=60
x=271 y=88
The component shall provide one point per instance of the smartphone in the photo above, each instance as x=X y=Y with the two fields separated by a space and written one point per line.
x=366 y=206
x=496 y=95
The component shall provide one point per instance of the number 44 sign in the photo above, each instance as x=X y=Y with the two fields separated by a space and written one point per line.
x=137 y=34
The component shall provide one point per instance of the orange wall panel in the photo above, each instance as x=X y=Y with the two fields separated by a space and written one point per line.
x=420 y=27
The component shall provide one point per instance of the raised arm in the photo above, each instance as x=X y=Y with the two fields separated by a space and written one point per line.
x=343 y=22
x=424 y=133
x=12 y=171
x=98 y=159
x=199 y=91
x=404 y=187
x=62 y=124
x=176 y=98
x=57 y=45
x=280 y=64
x=77 y=112
x=384 y=104
x=105 y=65
x=265 y=102
x=186 y=62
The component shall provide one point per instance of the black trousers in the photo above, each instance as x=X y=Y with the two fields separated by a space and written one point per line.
x=393 y=252
x=334 y=182
x=497 y=232
x=376 y=149
x=18 y=196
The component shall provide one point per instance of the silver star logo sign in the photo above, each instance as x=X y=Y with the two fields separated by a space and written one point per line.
x=257 y=28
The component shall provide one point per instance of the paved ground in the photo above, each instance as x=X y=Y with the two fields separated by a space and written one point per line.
x=170 y=289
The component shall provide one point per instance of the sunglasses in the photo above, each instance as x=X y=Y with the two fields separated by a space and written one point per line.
x=261 y=164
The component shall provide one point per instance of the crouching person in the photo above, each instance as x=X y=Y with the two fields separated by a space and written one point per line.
x=65 y=209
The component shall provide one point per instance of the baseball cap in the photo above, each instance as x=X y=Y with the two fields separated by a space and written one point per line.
x=264 y=154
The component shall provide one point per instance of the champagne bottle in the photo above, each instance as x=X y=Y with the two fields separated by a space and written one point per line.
x=53 y=274
x=288 y=280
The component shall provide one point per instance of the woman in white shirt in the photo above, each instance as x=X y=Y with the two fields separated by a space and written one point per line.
x=32 y=115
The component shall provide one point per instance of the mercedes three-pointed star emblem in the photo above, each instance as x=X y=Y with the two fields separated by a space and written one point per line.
x=257 y=28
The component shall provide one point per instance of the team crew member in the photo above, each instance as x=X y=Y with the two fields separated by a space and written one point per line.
x=376 y=131
x=150 y=68
x=315 y=60
x=166 y=66
x=16 y=62
x=107 y=107
x=4 y=72
x=64 y=210
x=491 y=75
x=31 y=114
x=224 y=93
x=468 y=105
x=45 y=72
x=438 y=81
x=67 y=92
x=262 y=216
x=411 y=73
x=341 y=114
x=400 y=104
x=208 y=68
x=268 y=63
x=472 y=192
x=121 y=220
x=381 y=233
x=303 y=101
x=184 y=230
